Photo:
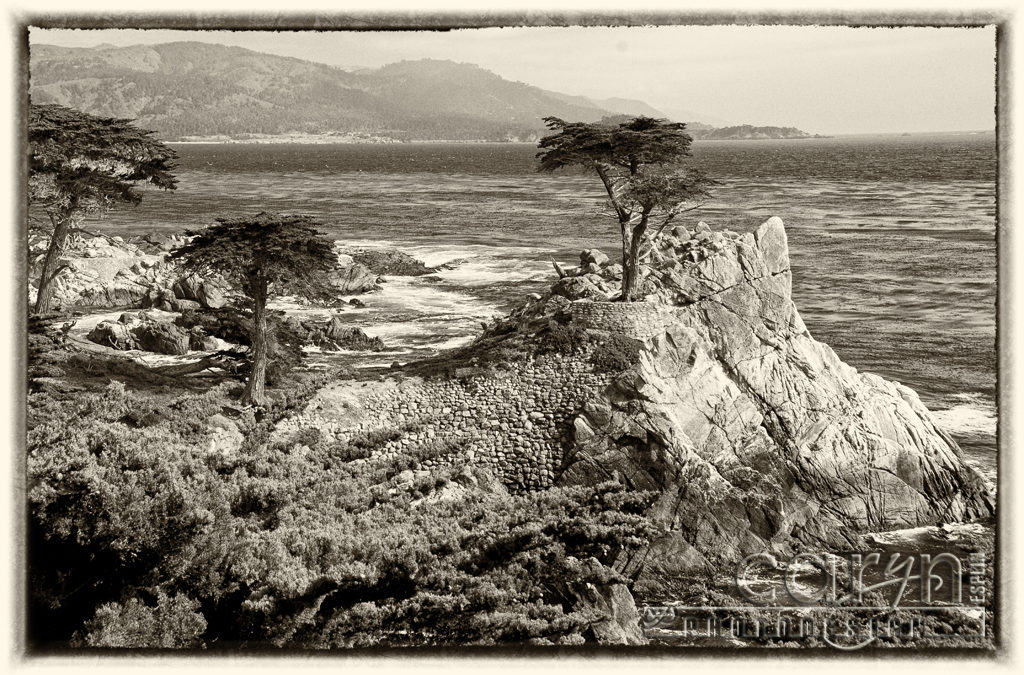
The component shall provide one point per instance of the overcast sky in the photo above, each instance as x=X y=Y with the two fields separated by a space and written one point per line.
x=829 y=80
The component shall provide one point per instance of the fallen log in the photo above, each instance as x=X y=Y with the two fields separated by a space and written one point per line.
x=225 y=360
x=228 y=360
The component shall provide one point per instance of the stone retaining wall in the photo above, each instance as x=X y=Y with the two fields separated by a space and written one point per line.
x=517 y=423
x=640 y=320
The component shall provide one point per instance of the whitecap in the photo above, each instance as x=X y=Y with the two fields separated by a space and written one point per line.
x=950 y=531
x=968 y=414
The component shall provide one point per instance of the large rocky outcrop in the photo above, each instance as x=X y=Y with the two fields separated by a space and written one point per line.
x=109 y=272
x=711 y=393
x=101 y=272
x=355 y=278
x=756 y=436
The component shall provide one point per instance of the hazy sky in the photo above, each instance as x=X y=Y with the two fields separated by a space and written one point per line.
x=822 y=79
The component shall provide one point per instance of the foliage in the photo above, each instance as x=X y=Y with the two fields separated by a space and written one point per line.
x=608 y=352
x=285 y=251
x=144 y=537
x=567 y=339
x=639 y=162
x=80 y=164
x=86 y=163
x=263 y=256
x=173 y=623
x=614 y=353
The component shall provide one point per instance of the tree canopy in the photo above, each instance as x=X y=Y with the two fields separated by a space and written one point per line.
x=91 y=162
x=639 y=161
x=283 y=250
x=263 y=256
x=80 y=164
x=631 y=144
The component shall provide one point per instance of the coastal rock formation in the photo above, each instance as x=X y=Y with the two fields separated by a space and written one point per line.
x=354 y=278
x=209 y=293
x=109 y=272
x=711 y=392
x=332 y=334
x=144 y=332
x=389 y=262
x=101 y=272
x=756 y=436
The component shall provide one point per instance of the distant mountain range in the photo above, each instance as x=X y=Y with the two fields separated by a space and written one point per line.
x=187 y=90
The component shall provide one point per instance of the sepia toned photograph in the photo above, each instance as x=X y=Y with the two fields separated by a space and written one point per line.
x=513 y=335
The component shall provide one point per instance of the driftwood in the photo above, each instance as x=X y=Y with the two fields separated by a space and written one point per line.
x=227 y=360
x=559 y=270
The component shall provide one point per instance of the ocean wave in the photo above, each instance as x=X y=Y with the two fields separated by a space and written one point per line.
x=485 y=272
x=434 y=255
x=968 y=414
x=411 y=294
x=948 y=532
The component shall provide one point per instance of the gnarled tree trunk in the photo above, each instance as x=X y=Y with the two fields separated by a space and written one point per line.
x=58 y=241
x=631 y=275
x=253 y=394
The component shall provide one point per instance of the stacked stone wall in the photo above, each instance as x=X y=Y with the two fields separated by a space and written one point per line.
x=517 y=423
x=640 y=320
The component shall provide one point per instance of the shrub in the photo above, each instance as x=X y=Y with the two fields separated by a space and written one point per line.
x=566 y=339
x=173 y=623
x=615 y=353
x=138 y=540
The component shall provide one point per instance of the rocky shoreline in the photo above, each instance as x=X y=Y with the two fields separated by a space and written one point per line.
x=710 y=395
x=109 y=273
x=711 y=392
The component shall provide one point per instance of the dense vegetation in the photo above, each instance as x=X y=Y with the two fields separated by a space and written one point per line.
x=145 y=531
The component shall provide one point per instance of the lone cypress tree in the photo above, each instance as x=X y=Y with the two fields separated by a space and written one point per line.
x=80 y=164
x=263 y=256
x=639 y=161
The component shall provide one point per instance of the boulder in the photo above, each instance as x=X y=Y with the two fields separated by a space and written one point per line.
x=178 y=305
x=341 y=336
x=208 y=293
x=160 y=298
x=130 y=317
x=354 y=278
x=611 y=601
x=613 y=272
x=113 y=334
x=593 y=256
x=577 y=288
x=556 y=304
x=225 y=438
x=162 y=338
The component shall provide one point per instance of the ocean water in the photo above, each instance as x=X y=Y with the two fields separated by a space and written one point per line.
x=892 y=240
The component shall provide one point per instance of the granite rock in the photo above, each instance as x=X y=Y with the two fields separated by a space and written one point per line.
x=756 y=436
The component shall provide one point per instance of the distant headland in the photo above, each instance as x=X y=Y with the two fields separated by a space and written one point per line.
x=207 y=93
